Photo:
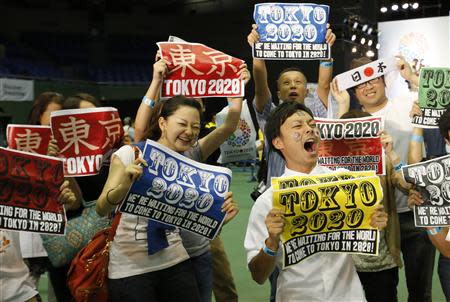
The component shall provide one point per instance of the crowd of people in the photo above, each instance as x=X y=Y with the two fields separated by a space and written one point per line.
x=190 y=267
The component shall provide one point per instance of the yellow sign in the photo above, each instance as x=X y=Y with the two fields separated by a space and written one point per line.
x=329 y=217
x=279 y=183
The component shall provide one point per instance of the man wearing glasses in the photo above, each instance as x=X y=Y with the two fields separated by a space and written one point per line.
x=418 y=252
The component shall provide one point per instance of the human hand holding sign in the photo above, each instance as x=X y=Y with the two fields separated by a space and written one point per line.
x=244 y=73
x=253 y=36
x=66 y=195
x=330 y=37
x=133 y=172
x=379 y=218
x=53 y=149
x=414 y=198
x=230 y=207
x=275 y=225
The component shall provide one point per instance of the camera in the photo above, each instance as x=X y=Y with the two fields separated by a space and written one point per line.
x=258 y=190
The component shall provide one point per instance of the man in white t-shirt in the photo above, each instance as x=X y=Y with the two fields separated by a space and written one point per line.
x=418 y=252
x=292 y=133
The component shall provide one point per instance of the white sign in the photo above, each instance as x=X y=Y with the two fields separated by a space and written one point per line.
x=16 y=90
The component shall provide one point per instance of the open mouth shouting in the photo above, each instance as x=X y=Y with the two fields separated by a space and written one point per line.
x=311 y=146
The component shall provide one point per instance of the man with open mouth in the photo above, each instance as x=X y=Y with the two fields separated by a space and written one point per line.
x=291 y=86
x=292 y=133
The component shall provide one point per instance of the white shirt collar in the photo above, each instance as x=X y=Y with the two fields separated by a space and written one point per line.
x=316 y=170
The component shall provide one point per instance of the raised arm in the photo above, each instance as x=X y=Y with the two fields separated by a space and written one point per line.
x=326 y=71
x=213 y=140
x=262 y=91
x=152 y=95
x=119 y=180
x=397 y=163
x=407 y=73
x=342 y=99
x=263 y=264
x=415 y=153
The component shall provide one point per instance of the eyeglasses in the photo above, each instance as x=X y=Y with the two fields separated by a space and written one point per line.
x=373 y=81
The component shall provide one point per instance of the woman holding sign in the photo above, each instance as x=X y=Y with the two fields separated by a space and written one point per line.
x=136 y=272
x=31 y=245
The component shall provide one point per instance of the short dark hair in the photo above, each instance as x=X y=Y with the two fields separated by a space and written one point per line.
x=165 y=108
x=40 y=105
x=355 y=113
x=444 y=123
x=73 y=102
x=277 y=118
x=358 y=62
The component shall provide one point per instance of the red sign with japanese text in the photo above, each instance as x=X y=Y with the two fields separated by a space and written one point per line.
x=196 y=70
x=29 y=190
x=28 y=138
x=86 y=137
x=353 y=144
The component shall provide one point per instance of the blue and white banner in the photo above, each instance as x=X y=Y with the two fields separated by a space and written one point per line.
x=291 y=31
x=178 y=191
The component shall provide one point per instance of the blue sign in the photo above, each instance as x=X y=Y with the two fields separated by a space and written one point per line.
x=178 y=191
x=291 y=31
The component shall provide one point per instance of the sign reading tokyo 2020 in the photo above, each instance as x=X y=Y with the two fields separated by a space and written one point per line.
x=179 y=191
x=291 y=31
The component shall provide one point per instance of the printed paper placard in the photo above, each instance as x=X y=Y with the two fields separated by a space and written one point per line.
x=431 y=178
x=284 y=182
x=434 y=96
x=196 y=70
x=353 y=144
x=178 y=191
x=28 y=138
x=291 y=31
x=329 y=217
x=16 y=90
x=241 y=144
x=29 y=190
x=86 y=137
x=366 y=73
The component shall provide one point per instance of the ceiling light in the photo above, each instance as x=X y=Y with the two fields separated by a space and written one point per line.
x=394 y=7
x=383 y=9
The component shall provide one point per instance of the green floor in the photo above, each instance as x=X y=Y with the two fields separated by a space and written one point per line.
x=233 y=237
